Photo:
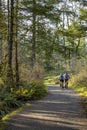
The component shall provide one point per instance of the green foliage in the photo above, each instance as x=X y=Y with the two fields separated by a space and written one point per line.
x=7 y=102
x=80 y=79
x=58 y=35
x=52 y=78
x=15 y=98
x=11 y=102
x=83 y=14
x=1 y=82
x=23 y=93
x=79 y=83
x=2 y=110
x=35 y=90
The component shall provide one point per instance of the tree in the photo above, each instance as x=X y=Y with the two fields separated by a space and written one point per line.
x=16 y=46
x=0 y=33
x=10 y=42
x=33 y=57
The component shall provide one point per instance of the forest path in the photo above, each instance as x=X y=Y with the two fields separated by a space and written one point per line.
x=59 y=110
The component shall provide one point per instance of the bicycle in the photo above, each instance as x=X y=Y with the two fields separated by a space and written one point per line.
x=66 y=83
x=61 y=84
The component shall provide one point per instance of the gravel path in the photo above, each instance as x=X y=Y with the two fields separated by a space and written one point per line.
x=59 y=110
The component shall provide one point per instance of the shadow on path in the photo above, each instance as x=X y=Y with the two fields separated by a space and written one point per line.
x=59 y=110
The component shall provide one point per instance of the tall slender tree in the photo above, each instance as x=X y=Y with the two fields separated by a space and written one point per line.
x=16 y=46
x=0 y=33
x=10 y=42
x=34 y=35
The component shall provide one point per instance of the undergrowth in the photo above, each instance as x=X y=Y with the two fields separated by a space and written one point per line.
x=9 y=101
x=79 y=84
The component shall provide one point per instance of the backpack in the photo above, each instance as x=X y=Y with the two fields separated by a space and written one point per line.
x=61 y=76
x=66 y=76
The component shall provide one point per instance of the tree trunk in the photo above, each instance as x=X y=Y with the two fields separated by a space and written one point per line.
x=16 y=48
x=33 y=57
x=0 y=34
x=10 y=42
x=77 y=47
x=0 y=49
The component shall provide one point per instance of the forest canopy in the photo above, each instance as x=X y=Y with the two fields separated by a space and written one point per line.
x=37 y=36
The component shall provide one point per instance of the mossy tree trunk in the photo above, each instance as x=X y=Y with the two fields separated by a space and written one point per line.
x=33 y=53
x=16 y=47
x=10 y=42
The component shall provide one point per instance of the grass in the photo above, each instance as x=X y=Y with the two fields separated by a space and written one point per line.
x=82 y=91
x=79 y=84
x=6 y=117
x=51 y=79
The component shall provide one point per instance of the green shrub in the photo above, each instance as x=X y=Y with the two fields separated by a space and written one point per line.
x=79 y=83
x=34 y=90
x=14 y=98
x=2 y=109
x=7 y=102
x=37 y=90
x=23 y=93
x=11 y=102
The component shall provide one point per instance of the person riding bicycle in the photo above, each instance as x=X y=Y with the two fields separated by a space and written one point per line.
x=66 y=78
x=61 y=80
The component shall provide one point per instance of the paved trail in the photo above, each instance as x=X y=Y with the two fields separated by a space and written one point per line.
x=59 y=110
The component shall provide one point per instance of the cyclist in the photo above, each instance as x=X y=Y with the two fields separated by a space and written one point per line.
x=61 y=80
x=66 y=78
